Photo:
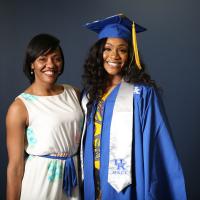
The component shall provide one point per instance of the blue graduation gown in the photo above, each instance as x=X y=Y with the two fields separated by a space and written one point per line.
x=156 y=170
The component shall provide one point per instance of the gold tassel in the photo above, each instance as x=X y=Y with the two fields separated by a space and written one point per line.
x=135 y=48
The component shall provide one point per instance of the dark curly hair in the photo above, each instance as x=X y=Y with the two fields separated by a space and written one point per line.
x=95 y=78
x=40 y=45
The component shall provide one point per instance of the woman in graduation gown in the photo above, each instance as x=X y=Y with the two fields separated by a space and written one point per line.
x=127 y=152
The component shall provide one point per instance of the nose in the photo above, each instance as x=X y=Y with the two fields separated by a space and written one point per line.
x=114 y=54
x=50 y=63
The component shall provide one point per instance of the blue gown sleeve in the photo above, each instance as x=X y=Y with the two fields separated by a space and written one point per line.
x=164 y=177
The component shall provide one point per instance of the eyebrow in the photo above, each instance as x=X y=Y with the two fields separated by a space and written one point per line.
x=117 y=45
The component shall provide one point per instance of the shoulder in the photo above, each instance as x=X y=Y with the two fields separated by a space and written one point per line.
x=16 y=106
x=16 y=112
x=143 y=90
x=67 y=86
x=72 y=89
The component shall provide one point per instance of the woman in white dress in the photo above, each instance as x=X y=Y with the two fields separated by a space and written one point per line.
x=45 y=122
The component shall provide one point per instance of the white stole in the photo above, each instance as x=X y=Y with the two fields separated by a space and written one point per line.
x=121 y=137
x=84 y=102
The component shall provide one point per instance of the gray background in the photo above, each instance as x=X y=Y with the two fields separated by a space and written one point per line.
x=170 y=48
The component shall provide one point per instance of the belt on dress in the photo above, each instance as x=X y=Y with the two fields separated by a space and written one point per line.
x=70 y=178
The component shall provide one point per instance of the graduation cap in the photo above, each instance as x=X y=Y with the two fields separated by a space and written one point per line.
x=118 y=26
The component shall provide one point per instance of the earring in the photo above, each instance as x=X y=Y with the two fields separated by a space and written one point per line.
x=32 y=68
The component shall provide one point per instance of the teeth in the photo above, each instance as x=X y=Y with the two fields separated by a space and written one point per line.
x=113 y=64
x=49 y=72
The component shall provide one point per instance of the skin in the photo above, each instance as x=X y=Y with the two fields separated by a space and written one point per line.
x=46 y=70
x=115 y=56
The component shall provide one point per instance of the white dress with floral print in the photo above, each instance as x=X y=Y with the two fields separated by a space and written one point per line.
x=54 y=127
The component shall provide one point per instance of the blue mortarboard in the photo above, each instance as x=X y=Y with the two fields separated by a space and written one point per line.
x=117 y=26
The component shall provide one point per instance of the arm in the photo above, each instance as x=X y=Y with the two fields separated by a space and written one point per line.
x=16 y=121
x=165 y=171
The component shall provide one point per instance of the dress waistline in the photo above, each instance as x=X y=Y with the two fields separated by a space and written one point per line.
x=70 y=177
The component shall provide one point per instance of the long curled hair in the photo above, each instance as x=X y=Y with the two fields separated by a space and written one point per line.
x=96 y=79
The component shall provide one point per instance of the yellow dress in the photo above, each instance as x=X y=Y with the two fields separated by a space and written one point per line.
x=97 y=141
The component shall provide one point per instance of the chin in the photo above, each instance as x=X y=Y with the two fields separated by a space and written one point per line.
x=51 y=80
x=113 y=72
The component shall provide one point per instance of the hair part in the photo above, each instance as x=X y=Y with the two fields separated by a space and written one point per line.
x=40 y=45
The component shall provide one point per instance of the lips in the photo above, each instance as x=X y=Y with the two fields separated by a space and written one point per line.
x=114 y=64
x=49 y=73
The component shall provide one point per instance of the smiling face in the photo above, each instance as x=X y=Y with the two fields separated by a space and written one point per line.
x=47 y=67
x=115 y=56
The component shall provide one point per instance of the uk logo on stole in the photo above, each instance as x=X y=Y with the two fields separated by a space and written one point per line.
x=136 y=90
x=118 y=166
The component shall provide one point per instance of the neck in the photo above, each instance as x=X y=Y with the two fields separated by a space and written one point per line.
x=114 y=81
x=44 y=89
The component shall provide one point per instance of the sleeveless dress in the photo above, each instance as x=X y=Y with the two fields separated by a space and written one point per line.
x=55 y=124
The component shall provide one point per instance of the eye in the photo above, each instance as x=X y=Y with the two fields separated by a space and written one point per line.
x=107 y=49
x=42 y=59
x=123 y=51
x=57 y=59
